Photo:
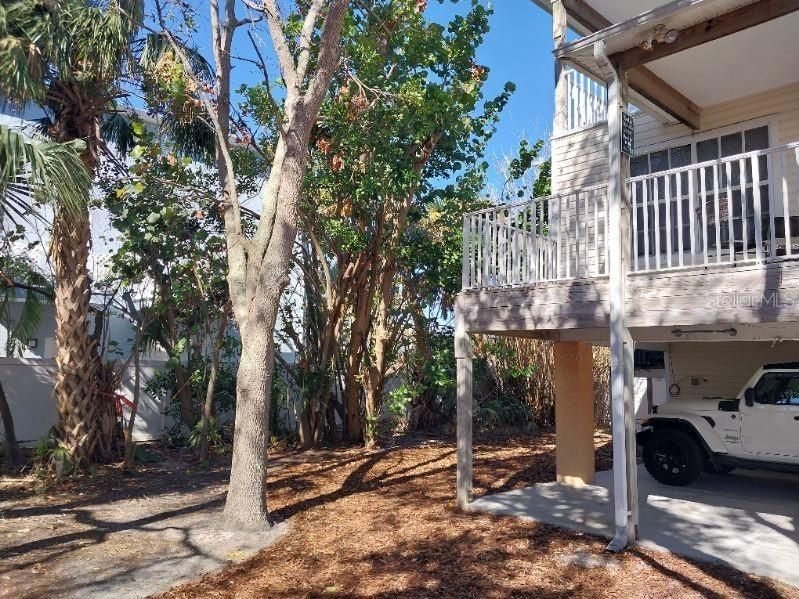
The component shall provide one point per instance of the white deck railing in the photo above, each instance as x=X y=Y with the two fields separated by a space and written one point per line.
x=587 y=100
x=738 y=210
x=542 y=239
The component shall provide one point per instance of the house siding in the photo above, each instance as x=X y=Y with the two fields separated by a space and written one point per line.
x=783 y=103
x=722 y=368
x=580 y=159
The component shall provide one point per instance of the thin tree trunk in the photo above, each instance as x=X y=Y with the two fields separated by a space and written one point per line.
x=209 y=391
x=129 y=444
x=358 y=331
x=14 y=457
x=183 y=390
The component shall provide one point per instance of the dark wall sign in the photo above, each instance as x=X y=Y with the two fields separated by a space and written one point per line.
x=627 y=134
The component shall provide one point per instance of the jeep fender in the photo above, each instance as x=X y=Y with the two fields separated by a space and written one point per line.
x=693 y=424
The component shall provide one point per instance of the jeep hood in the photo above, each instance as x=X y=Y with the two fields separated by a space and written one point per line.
x=688 y=406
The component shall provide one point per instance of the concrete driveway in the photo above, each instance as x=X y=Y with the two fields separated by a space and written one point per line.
x=747 y=519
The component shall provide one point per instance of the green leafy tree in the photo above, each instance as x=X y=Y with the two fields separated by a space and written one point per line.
x=171 y=235
x=396 y=159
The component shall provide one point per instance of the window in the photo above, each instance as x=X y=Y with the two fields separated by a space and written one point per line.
x=712 y=148
x=778 y=389
x=657 y=162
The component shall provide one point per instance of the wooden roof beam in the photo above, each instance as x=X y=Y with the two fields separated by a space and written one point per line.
x=665 y=97
x=715 y=28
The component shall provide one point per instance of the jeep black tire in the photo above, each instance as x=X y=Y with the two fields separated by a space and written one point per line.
x=712 y=468
x=673 y=457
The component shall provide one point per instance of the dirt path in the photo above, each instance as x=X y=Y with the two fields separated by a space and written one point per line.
x=359 y=524
x=117 y=535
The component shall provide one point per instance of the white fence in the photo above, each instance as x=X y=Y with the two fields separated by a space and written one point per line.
x=736 y=210
x=28 y=384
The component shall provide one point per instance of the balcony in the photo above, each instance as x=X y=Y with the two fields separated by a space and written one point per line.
x=737 y=211
x=586 y=100
x=713 y=252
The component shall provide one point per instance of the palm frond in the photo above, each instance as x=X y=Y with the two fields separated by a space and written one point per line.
x=26 y=327
x=116 y=129
x=194 y=138
x=28 y=40
x=38 y=291
x=154 y=48
x=102 y=37
x=36 y=168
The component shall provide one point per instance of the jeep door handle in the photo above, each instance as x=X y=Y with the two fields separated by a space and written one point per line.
x=796 y=417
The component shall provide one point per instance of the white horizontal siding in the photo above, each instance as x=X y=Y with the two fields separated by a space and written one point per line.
x=783 y=103
x=727 y=366
x=580 y=159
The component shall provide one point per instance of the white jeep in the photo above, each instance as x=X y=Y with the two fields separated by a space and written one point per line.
x=759 y=429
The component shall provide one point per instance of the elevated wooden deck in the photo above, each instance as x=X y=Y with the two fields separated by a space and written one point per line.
x=711 y=246
x=724 y=302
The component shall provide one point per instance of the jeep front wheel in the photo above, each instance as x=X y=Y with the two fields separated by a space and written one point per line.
x=673 y=457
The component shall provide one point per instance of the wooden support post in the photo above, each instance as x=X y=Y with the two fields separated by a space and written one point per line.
x=625 y=473
x=559 y=25
x=463 y=360
x=574 y=413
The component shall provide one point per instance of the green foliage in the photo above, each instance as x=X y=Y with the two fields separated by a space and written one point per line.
x=35 y=171
x=49 y=457
x=163 y=384
x=527 y=174
x=20 y=278
x=171 y=232
x=78 y=43
x=216 y=441
x=502 y=411
x=504 y=355
x=428 y=389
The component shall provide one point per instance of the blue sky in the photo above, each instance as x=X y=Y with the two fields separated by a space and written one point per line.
x=518 y=48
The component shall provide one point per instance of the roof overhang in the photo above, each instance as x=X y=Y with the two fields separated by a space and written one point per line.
x=631 y=43
x=675 y=77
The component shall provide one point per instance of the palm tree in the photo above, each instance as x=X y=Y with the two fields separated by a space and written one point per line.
x=69 y=57
x=33 y=171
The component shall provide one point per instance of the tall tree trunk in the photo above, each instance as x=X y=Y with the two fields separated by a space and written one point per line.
x=259 y=266
x=245 y=506
x=246 y=498
x=14 y=456
x=79 y=421
x=352 y=386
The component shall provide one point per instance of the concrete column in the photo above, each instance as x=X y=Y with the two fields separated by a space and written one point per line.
x=574 y=413
x=463 y=360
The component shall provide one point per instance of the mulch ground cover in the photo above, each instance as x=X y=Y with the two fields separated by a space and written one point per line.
x=384 y=524
x=362 y=524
